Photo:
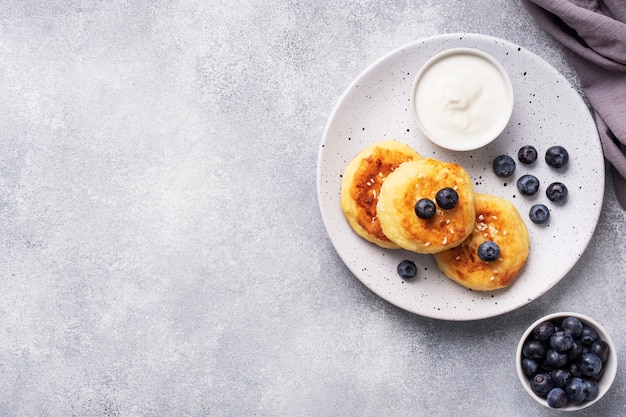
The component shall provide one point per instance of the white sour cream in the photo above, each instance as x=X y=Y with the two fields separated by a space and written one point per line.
x=462 y=99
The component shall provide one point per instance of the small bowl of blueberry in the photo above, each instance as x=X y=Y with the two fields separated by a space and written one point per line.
x=566 y=361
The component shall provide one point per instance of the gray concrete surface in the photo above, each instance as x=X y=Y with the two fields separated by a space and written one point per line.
x=162 y=251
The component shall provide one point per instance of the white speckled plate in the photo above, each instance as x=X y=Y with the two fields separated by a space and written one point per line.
x=548 y=111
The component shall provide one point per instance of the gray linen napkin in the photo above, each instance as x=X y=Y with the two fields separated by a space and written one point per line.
x=592 y=34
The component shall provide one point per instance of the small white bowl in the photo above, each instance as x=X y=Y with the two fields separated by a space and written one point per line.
x=610 y=366
x=462 y=99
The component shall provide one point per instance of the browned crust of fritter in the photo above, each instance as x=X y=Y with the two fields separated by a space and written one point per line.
x=361 y=185
x=497 y=220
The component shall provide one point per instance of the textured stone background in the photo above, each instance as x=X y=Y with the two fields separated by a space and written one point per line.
x=161 y=247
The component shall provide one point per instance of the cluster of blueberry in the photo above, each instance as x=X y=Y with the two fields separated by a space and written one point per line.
x=528 y=184
x=446 y=198
x=564 y=361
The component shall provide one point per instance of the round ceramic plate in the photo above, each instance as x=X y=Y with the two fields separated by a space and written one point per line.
x=548 y=111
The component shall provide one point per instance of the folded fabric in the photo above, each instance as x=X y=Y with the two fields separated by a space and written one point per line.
x=592 y=34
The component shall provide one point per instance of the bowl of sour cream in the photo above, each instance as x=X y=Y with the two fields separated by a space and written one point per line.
x=462 y=99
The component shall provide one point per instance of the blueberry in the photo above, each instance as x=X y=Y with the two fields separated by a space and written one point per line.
x=503 y=166
x=539 y=213
x=575 y=390
x=447 y=198
x=541 y=384
x=557 y=156
x=543 y=330
x=560 y=377
x=561 y=341
x=573 y=326
x=601 y=349
x=557 y=398
x=527 y=154
x=533 y=349
x=588 y=336
x=575 y=351
x=599 y=375
x=591 y=389
x=557 y=191
x=529 y=367
x=425 y=209
x=555 y=359
x=589 y=364
x=574 y=370
x=489 y=251
x=528 y=184
x=407 y=269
